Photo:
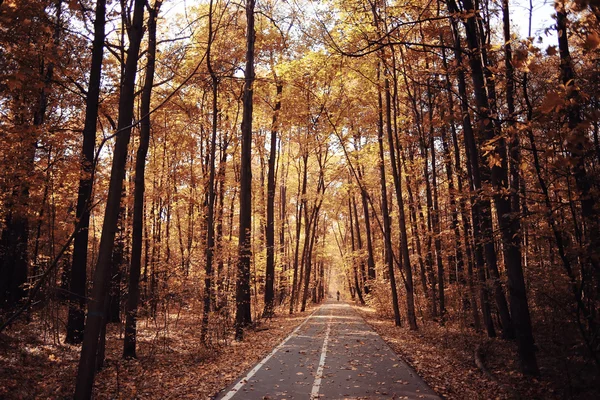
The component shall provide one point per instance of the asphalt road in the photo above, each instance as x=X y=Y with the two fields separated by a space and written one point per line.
x=333 y=354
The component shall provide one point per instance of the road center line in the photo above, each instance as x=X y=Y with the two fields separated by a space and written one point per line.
x=258 y=366
x=317 y=384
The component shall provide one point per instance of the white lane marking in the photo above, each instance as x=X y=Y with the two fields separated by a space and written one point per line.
x=317 y=384
x=258 y=366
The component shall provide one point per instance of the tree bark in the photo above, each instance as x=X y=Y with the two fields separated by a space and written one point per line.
x=130 y=340
x=408 y=278
x=96 y=310
x=510 y=224
x=243 y=315
x=387 y=233
x=211 y=195
x=472 y=165
x=353 y=247
x=481 y=173
x=77 y=282
x=270 y=228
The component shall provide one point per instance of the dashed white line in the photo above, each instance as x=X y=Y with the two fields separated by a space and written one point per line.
x=314 y=394
x=258 y=366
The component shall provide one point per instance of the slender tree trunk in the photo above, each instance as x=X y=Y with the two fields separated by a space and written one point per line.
x=359 y=245
x=365 y=203
x=510 y=224
x=243 y=315
x=211 y=195
x=435 y=211
x=301 y=205
x=283 y=283
x=430 y=232
x=221 y=295
x=130 y=340
x=488 y=128
x=458 y=256
x=116 y=266
x=353 y=247
x=385 y=209
x=415 y=229
x=270 y=228
x=475 y=182
x=308 y=261
x=577 y=145
x=408 y=278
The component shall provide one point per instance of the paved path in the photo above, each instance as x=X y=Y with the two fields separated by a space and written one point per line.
x=333 y=354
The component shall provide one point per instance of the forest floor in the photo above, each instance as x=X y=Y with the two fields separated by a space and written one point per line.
x=171 y=363
x=444 y=356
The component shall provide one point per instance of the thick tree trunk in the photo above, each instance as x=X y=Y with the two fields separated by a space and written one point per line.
x=481 y=173
x=497 y=174
x=77 y=282
x=96 y=310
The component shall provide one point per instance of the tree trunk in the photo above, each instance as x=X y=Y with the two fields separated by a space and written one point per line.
x=474 y=179
x=408 y=278
x=96 y=310
x=414 y=227
x=435 y=211
x=300 y=206
x=482 y=173
x=353 y=247
x=430 y=232
x=359 y=245
x=243 y=315
x=77 y=280
x=387 y=233
x=130 y=340
x=577 y=143
x=510 y=224
x=365 y=203
x=270 y=228
x=211 y=195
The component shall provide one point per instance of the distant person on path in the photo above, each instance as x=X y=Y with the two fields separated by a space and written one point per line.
x=338 y=295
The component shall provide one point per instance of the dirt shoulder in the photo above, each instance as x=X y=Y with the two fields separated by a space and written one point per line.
x=444 y=356
x=171 y=364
